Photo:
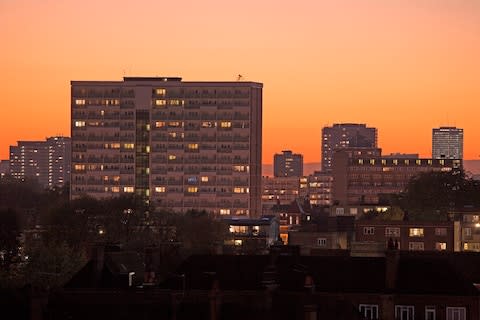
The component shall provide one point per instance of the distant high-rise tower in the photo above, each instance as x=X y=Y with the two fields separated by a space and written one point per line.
x=48 y=161
x=178 y=145
x=345 y=135
x=447 y=143
x=287 y=164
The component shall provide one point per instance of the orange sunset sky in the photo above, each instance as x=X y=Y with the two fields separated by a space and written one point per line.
x=401 y=66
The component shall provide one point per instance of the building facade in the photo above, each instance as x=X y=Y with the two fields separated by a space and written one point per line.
x=179 y=145
x=361 y=180
x=410 y=235
x=48 y=161
x=287 y=164
x=447 y=143
x=345 y=135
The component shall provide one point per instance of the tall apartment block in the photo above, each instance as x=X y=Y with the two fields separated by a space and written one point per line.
x=179 y=145
x=447 y=143
x=287 y=164
x=345 y=135
x=48 y=161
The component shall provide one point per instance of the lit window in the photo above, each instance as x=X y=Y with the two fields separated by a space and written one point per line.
x=360 y=161
x=79 y=123
x=116 y=178
x=240 y=190
x=238 y=229
x=159 y=124
x=160 y=92
x=407 y=162
x=418 y=162
x=193 y=146
x=160 y=102
x=395 y=162
x=440 y=246
x=115 y=189
x=128 y=189
x=175 y=102
x=224 y=211
x=372 y=161
x=208 y=124
x=79 y=167
x=384 y=162
x=80 y=102
x=129 y=145
x=241 y=168
x=159 y=189
x=416 y=232
x=174 y=124
x=204 y=179
x=225 y=124
x=192 y=189
x=172 y=157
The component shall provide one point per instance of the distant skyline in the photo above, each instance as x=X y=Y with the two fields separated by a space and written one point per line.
x=403 y=67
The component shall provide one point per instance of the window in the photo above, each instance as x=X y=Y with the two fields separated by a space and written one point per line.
x=353 y=211
x=208 y=124
x=204 y=179
x=192 y=189
x=172 y=157
x=440 y=231
x=116 y=189
x=160 y=92
x=159 y=189
x=255 y=230
x=339 y=211
x=416 y=232
x=430 y=313
x=240 y=190
x=224 y=211
x=440 y=246
x=80 y=102
x=404 y=312
x=240 y=168
x=456 y=313
x=159 y=124
x=416 y=246
x=369 y=311
x=322 y=242
x=175 y=102
x=468 y=232
x=369 y=230
x=392 y=232
x=128 y=189
x=129 y=145
x=225 y=124
x=193 y=146
x=79 y=167
x=79 y=124
x=160 y=102
x=174 y=124
x=238 y=229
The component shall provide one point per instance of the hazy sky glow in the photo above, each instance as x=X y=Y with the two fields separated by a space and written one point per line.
x=401 y=66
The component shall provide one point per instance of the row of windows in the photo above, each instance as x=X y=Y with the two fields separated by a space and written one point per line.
x=412 y=232
x=406 y=312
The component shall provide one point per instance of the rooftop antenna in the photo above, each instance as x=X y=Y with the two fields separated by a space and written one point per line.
x=239 y=77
